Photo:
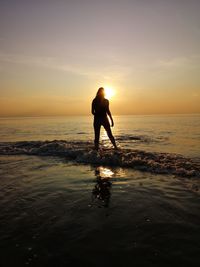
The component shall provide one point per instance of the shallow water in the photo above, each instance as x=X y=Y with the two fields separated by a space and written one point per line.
x=62 y=204
x=83 y=152
x=54 y=213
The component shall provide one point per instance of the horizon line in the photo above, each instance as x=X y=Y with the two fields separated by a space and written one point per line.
x=86 y=115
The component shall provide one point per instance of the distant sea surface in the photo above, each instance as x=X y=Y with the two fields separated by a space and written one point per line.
x=168 y=133
x=64 y=204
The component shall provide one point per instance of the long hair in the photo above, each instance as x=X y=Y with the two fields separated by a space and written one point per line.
x=100 y=94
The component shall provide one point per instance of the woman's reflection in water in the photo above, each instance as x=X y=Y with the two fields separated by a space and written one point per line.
x=101 y=191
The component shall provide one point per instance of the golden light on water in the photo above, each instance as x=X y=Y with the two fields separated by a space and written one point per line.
x=105 y=172
x=109 y=92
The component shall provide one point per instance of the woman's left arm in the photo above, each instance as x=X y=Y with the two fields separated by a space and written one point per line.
x=110 y=115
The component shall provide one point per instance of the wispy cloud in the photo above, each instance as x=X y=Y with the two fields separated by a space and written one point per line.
x=111 y=71
x=184 y=62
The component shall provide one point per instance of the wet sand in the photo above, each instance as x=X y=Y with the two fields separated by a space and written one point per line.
x=57 y=213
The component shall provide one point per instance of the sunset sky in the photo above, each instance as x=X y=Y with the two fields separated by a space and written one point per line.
x=55 y=54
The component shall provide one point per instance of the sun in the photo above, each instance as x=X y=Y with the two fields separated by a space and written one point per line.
x=109 y=92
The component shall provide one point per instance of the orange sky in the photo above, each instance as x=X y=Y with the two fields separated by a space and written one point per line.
x=54 y=56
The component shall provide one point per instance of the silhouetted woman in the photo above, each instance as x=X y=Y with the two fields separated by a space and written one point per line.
x=100 y=109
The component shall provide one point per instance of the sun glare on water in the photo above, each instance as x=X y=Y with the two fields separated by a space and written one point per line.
x=109 y=92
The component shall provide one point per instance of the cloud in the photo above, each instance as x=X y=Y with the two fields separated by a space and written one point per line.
x=180 y=62
x=108 y=71
x=195 y=94
x=46 y=62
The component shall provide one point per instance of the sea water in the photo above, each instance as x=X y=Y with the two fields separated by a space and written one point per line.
x=63 y=204
x=168 y=133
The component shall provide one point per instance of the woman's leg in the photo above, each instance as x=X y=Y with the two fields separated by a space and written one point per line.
x=97 y=127
x=106 y=125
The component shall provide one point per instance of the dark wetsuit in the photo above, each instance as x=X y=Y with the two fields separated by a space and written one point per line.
x=100 y=110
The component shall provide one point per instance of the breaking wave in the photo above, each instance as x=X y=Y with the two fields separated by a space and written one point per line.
x=82 y=152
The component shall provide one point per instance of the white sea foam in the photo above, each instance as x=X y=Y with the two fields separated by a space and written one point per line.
x=82 y=152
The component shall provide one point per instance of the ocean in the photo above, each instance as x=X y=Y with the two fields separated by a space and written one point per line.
x=64 y=204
